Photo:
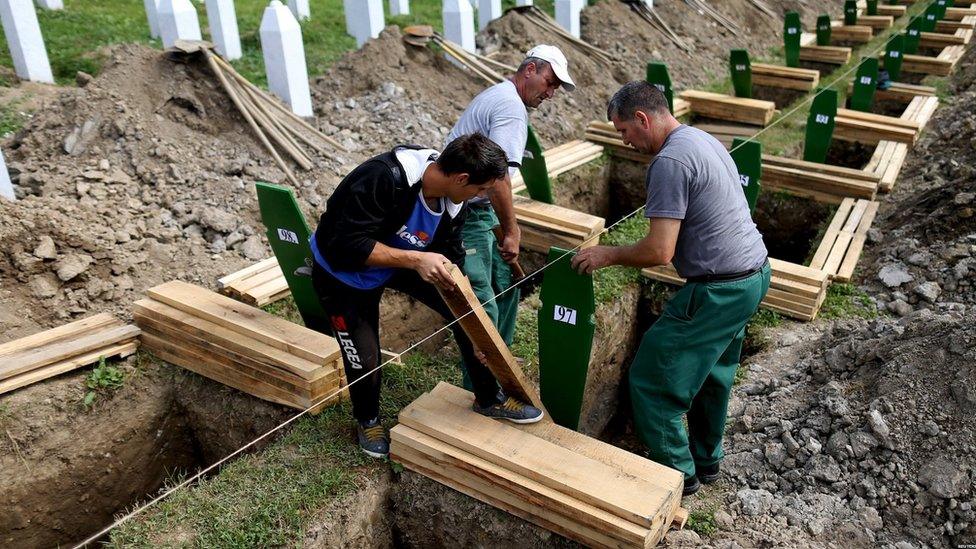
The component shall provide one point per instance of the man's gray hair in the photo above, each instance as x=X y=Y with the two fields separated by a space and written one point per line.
x=637 y=96
x=540 y=64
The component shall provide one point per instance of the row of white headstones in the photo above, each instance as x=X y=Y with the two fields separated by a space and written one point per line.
x=280 y=33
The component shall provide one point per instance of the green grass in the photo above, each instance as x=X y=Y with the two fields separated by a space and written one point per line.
x=285 y=308
x=76 y=36
x=610 y=282
x=702 y=522
x=847 y=301
x=12 y=118
x=525 y=344
x=103 y=377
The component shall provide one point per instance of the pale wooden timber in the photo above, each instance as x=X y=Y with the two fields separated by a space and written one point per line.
x=28 y=360
x=900 y=92
x=871 y=129
x=833 y=55
x=894 y=11
x=876 y=22
x=790 y=78
x=939 y=40
x=959 y=14
x=120 y=350
x=886 y=163
x=730 y=108
x=822 y=182
x=936 y=66
x=842 y=243
x=545 y=225
x=857 y=34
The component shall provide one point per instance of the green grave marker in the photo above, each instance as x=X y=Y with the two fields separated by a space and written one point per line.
x=865 y=82
x=894 y=55
x=850 y=12
x=913 y=34
x=288 y=234
x=823 y=30
x=535 y=174
x=820 y=126
x=748 y=160
x=657 y=74
x=872 y=7
x=930 y=18
x=940 y=8
x=741 y=70
x=791 y=38
x=566 y=328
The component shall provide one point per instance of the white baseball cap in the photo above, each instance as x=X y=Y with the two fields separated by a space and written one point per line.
x=556 y=59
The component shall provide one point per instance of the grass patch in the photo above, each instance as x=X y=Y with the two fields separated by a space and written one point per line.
x=12 y=119
x=525 y=344
x=702 y=522
x=103 y=377
x=285 y=308
x=610 y=282
x=847 y=301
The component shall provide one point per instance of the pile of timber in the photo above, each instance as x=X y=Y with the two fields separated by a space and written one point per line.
x=578 y=487
x=900 y=92
x=562 y=158
x=656 y=21
x=726 y=133
x=730 y=108
x=821 y=182
x=871 y=129
x=894 y=11
x=936 y=66
x=241 y=346
x=856 y=34
x=842 y=243
x=876 y=22
x=832 y=55
x=790 y=78
x=546 y=225
x=947 y=26
x=794 y=290
x=258 y=284
x=889 y=156
x=546 y=23
x=938 y=40
x=960 y=13
x=53 y=352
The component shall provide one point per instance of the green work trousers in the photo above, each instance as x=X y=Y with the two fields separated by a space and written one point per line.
x=686 y=364
x=489 y=274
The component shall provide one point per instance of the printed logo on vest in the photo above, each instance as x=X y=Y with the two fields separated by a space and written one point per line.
x=420 y=239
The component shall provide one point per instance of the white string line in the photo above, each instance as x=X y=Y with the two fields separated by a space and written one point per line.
x=397 y=356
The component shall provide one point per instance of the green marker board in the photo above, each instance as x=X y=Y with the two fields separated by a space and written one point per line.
x=913 y=35
x=894 y=54
x=288 y=234
x=872 y=7
x=791 y=38
x=741 y=70
x=940 y=8
x=850 y=12
x=535 y=174
x=748 y=159
x=566 y=328
x=657 y=74
x=823 y=30
x=865 y=82
x=930 y=18
x=820 y=126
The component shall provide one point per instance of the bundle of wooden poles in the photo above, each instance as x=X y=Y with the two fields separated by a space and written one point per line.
x=704 y=9
x=541 y=19
x=655 y=20
x=272 y=122
x=484 y=67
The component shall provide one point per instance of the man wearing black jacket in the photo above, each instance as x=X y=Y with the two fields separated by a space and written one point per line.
x=395 y=222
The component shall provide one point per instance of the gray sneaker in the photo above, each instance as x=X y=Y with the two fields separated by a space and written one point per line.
x=373 y=438
x=512 y=409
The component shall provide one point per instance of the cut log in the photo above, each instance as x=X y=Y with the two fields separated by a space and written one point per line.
x=727 y=107
x=789 y=78
x=833 y=55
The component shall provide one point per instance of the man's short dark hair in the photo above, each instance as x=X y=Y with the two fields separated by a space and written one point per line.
x=637 y=96
x=540 y=64
x=475 y=155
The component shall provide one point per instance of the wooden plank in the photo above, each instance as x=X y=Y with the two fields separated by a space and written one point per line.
x=121 y=350
x=926 y=65
x=485 y=337
x=876 y=22
x=251 y=270
x=246 y=320
x=64 y=349
x=894 y=11
x=893 y=168
x=900 y=122
x=958 y=14
x=497 y=481
x=65 y=331
x=844 y=238
x=780 y=71
x=727 y=107
x=830 y=234
x=817 y=167
x=580 y=477
x=834 y=55
x=858 y=34
x=247 y=284
x=858 y=130
x=846 y=270
x=939 y=40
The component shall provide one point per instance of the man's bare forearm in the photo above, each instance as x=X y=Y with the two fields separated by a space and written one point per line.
x=501 y=200
x=636 y=255
x=388 y=256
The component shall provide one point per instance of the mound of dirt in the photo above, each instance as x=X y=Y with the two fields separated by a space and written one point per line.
x=870 y=441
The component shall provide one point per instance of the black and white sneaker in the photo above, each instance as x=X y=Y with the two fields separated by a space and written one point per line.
x=709 y=474
x=512 y=409
x=373 y=438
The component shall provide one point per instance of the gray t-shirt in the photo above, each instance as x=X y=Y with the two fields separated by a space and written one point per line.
x=694 y=179
x=499 y=114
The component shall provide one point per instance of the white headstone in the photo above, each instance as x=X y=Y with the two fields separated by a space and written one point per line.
x=284 y=58
x=24 y=39
x=488 y=11
x=523 y=2
x=459 y=23
x=300 y=9
x=6 y=187
x=364 y=19
x=51 y=4
x=177 y=21
x=567 y=15
x=152 y=11
x=399 y=7
x=223 y=28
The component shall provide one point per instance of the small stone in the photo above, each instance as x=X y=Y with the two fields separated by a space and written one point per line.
x=83 y=79
x=45 y=248
x=929 y=291
x=683 y=538
x=900 y=307
x=930 y=428
x=43 y=285
x=73 y=265
x=104 y=164
x=122 y=235
x=878 y=425
x=862 y=443
x=823 y=467
x=754 y=502
x=253 y=248
x=871 y=519
x=724 y=520
x=894 y=275
x=943 y=478
x=218 y=220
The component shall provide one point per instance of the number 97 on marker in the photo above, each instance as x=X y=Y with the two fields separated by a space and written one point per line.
x=564 y=314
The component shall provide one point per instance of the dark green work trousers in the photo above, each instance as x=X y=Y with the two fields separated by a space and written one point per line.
x=686 y=364
x=489 y=274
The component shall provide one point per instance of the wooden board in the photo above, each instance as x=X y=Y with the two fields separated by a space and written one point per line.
x=731 y=108
x=485 y=337
x=63 y=349
x=857 y=34
x=65 y=331
x=876 y=22
x=869 y=128
x=927 y=65
x=120 y=350
x=939 y=40
x=834 y=55
x=818 y=181
x=900 y=92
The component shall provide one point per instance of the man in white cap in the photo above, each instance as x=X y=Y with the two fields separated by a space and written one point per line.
x=500 y=113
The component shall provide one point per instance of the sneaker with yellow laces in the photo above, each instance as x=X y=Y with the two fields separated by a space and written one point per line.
x=373 y=438
x=509 y=408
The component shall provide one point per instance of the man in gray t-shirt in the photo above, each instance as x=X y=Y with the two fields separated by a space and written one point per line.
x=500 y=113
x=699 y=221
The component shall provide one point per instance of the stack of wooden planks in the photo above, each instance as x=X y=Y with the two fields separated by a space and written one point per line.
x=886 y=163
x=726 y=133
x=894 y=11
x=856 y=34
x=562 y=158
x=832 y=55
x=241 y=346
x=258 y=284
x=842 y=243
x=900 y=92
x=53 y=352
x=922 y=64
x=871 y=129
x=790 y=78
x=794 y=290
x=939 y=40
x=822 y=182
x=730 y=108
x=947 y=26
x=546 y=225
x=960 y=13
x=578 y=487
x=605 y=134
x=876 y=22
